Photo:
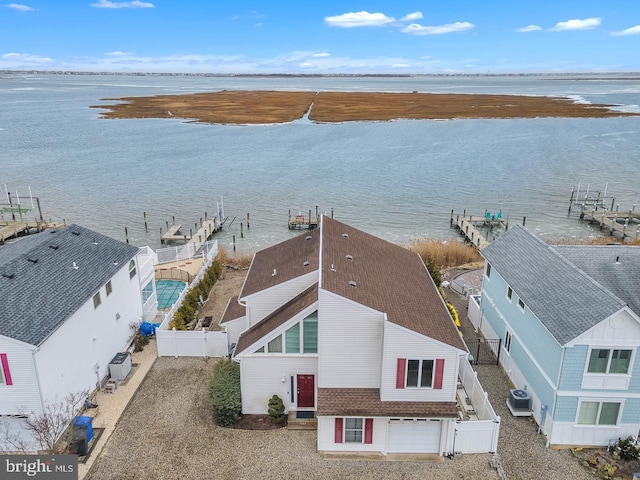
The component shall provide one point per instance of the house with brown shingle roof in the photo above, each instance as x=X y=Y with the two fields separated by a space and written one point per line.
x=350 y=330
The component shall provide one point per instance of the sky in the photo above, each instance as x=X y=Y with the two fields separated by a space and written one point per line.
x=321 y=37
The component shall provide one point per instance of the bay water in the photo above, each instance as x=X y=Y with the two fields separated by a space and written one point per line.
x=398 y=180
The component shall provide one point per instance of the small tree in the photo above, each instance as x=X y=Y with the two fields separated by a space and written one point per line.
x=433 y=269
x=46 y=428
x=276 y=410
x=224 y=392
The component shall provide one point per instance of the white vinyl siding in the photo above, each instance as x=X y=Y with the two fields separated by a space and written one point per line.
x=399 y=343
x=261 y=377
x=261 y=304
x=24 y=389
x=349 y=343
x=326 y=437
x=96 y=340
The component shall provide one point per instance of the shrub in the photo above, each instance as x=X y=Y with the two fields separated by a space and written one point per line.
x=224 y=392
x=453 y=313
x=191 y=303
x=430 y=263
x=276 y=410
x=139 y=342
x=628 y=451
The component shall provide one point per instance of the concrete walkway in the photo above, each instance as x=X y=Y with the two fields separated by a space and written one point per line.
x=111 y=405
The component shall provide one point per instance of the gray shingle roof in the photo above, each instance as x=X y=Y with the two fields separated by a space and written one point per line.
x=622 y=278
x=564 y=298
x=44 y=289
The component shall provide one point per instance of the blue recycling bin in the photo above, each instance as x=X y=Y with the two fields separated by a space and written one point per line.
x=84 y=423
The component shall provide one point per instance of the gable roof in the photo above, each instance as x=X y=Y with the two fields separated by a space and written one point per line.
x=233 y=311
x=388 y=278
x=563 y=297
x=45 y=289
x=615 y=267
x=277 y=318
x=287 y=259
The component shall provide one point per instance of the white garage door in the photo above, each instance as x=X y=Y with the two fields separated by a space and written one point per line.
x=408 y=436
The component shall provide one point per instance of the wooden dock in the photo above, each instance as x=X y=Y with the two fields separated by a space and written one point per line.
x=595 y=208
x=300 y=221
x=208 y=228
x=15 y=228
x=626 y=224
x=471 y=227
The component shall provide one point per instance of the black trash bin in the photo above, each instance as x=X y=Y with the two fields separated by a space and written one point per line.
x=79 y=442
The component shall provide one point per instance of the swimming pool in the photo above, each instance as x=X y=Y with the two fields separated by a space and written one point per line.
x=168 y=292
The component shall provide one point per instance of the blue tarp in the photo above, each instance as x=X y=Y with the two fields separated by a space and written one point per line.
x=147 y=329
x=84 y=423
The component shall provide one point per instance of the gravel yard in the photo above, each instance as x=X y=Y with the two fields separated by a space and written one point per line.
x=167 y=432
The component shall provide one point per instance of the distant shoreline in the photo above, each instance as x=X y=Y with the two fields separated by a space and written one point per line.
x=569 y=75
x=239 y=107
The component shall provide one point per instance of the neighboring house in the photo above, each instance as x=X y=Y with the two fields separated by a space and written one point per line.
x=68 y=299
x=569 y=321
x=350 y=329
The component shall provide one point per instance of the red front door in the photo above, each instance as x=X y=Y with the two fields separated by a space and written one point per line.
x=306 y=391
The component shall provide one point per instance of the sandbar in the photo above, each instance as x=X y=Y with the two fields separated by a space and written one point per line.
x=269 y=107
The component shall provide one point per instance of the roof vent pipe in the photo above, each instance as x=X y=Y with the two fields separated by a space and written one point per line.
x=75 y=266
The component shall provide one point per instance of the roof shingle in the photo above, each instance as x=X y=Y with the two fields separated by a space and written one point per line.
x=361 y=402
x=45 y=289
x=564 y=298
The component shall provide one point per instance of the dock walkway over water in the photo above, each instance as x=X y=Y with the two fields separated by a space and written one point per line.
x=472 y=226
x=596 y=209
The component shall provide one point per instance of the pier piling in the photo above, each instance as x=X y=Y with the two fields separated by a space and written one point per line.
x=248 y=221
x=241 y=231
x=145 y=221
x=126 y=234
x=234 y=243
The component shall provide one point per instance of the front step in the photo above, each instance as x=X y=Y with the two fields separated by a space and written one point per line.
x=295 y=423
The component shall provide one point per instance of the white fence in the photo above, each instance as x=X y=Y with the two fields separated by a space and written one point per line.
x=182 y=343
x=476 y=436
x=191 y=343
x=473 y=311
x=185 y=252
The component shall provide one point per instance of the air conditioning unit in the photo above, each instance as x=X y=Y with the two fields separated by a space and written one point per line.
x=520 y=399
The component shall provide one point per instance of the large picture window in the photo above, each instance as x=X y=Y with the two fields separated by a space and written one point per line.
x=603 y=360
x=598 y=413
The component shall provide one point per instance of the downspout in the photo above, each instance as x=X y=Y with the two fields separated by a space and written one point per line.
x=35 y=370
x=555 y=397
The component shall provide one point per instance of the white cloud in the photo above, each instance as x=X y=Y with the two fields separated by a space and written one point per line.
x=118 y=53
x=416 y=29
x=628 y=31
x=20 y=7
x=529 y=28
x=411 y=17
x=359 y=19
x=133 y=4
x=21 y=60
x=321 y=55
x=577 y=24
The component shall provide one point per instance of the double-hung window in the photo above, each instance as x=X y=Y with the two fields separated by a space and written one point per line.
x=419 y=373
